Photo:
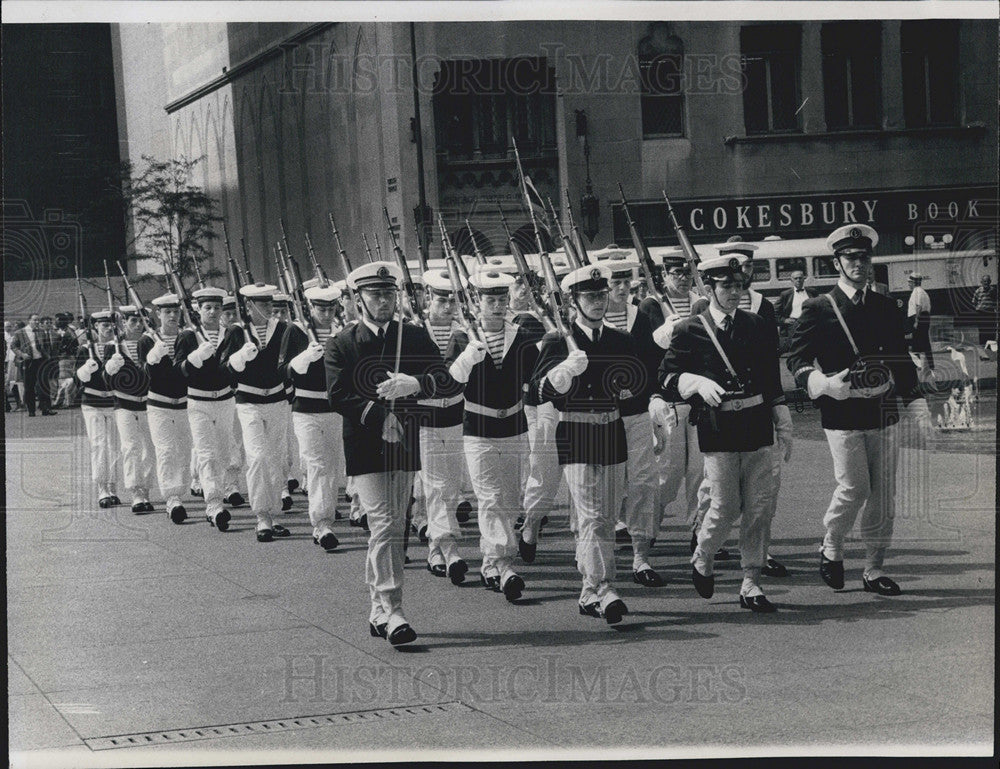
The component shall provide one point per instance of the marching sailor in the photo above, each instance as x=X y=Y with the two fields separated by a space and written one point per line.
x=237 y=458
x=587 y=386
x=281 y=308
x=166 y=403
x=318 y=428
x=381 y=420
x=494 y=425
x=858 y=338
x=129 y=385
x=210 y=407
x=261 y=405
x=97 y=404
x=724 y=361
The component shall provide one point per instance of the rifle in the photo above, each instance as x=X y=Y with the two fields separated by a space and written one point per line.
x=574 y=231
x=88 y=323
x=555 y=296
x=411 y=291
x=689 y=253
x=299 y=304
x=241 y=303
x=191 y=318
x=534 y=300
x=197 y=273
x=527 y=200
x=246 y=261
x=465 y=315
x=321 y=278
x=652 y=277
x=475 y=246
x=378 y=247
x=111 y=309
x=368 y=250
x=345 y=263
x=460 y=268
x=575 y=259
x=131 y=292
x=284 y=276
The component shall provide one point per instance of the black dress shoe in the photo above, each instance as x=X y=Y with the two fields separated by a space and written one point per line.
x=49 y=413
x=463 y=511
x=328 y=541
x=773 y=568
x=115 y=500
x=457 y=571
x=513 y=588
x=361 y=523
x=757 y=603
x=235 y=500
x=648 y=578
x=704 y=585
x=281 y=531
x=590 y=609
x=221 y=521
x=437 y=569
x=292 y=485
x=404 y=634
x=832 y=572
x=286 y=504
x=525 y=550
x=723 y=555
x=377 y=631
x=881 y=585
x=197 y=492
x=614 y=612
x=265 y=535
x=105 y=502
x=178 y=514
x=138 y=507
x=490 y=583
x=622 y=536
x=421 y=532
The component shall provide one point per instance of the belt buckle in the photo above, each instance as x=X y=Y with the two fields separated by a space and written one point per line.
x=737 y=404
x=501 y=413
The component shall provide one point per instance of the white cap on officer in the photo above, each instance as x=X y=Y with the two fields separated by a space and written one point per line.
x=590 y=277
x=852 y=239
x=438 y=280
x=165 y=301
x=209 y=294
x=487 y=279
x=723 y=265
x=259 y=291
x=375 y=275
x=318 y=295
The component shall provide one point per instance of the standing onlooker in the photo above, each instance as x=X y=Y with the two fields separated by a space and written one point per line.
x=64 y=349
x=789 y=306
x=985 y=302
x=918 y=322
x=31 y=345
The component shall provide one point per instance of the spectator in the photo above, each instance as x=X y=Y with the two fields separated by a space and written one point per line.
x=32 y=346
x=985 y=303
x=65 y=351
x=874 y=285
x=918 y=324
x=789 y=306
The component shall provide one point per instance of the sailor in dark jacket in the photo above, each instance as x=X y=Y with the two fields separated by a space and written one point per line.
x=588 y=385
x=862 y=373
x=381 y=427
x=129 y=384
x=738 y=401
x=318 y=428
x=166 y=406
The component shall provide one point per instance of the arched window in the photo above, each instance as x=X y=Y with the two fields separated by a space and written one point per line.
x=661 y=71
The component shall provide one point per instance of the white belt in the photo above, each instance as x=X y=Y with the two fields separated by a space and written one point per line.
x=738 y=404
x=210 y=394
x=589 y=417
x=870 y=392
x=164 y=399
x=97 y=393
x=441 y=403
x=264 y=392
x=318 y=394
x=475 y=408
x=127 y=397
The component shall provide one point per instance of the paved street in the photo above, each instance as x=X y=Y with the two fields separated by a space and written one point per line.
x=134 y=641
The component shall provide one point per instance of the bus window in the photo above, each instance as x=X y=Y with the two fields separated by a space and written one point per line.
x=787 y=266
x=761 y=270
x=823 y=267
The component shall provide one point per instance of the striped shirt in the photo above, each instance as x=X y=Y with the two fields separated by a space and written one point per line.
x=681 y=304
x=494 y=344
x=260 y=331
x=441 y=336
x=169 y=342
x=213 y=336
x=617 y=319
x=322 y=334
x=130 y=348
x=745 y=301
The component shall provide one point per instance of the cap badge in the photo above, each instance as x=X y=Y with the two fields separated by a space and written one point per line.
x=855 y=232
x=595 y=274
x=383 y=272
x=734 y=264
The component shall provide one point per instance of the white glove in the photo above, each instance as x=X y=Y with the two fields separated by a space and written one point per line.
x=920 y=415
x=690 y=384
x=461 y=369
x=398 y=386
x=114 y=364
x=782 y=419
x=663 y=334
x=561 y=376
x=239 y=359
x=86 y=371
x=197 y=357
x=659 y=411
x=837 y=386
x=301 y=362
x=392 y=430
x=157 y=352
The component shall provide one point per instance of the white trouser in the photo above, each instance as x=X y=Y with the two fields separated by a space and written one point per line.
x=138 y=458
x=596 y=493
x=236 y=463
x=318 y=436
x=195 y=479
x=739 y=487
x=864 y=466
x=642 y=514
x=681 y=460
x=264 y=433
x=418 y=515
x=211 y=434
x=543 y=462
x=384 y=497
x=441 y=450
x=495 y=472
x=103 y=437
x=292 y=459
x=171 y=436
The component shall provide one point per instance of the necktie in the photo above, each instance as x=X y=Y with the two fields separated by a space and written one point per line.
x=597 y=335
x=381 y=334
x=859 y=298
x=727 y=326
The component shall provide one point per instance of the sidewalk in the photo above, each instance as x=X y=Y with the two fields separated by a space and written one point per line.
x=132 y=641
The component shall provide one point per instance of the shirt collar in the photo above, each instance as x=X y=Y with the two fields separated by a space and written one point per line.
x=587 y=330
x=375 y=327
x=848 y=289
x=718 y=315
